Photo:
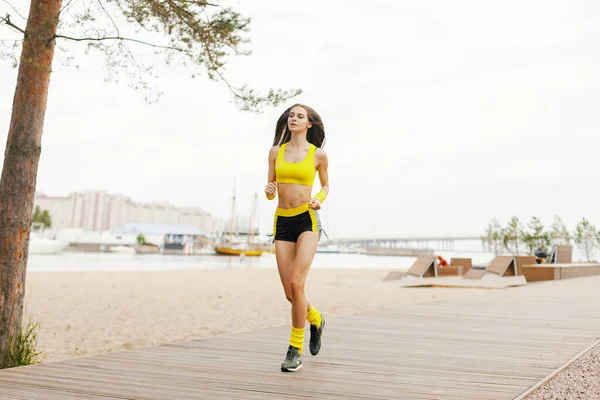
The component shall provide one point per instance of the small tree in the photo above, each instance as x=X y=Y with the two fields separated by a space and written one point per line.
x=559 y=234
x=512 y=236
x=486 y=238
x=36 y=214
x=491 y=240
x=496 y=236
x=534 y=236
x=587 y=238
x=42 y=216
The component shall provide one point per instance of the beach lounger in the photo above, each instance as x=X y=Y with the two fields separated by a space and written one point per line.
x=500 y=266
x=425 y=272
x=423 y=267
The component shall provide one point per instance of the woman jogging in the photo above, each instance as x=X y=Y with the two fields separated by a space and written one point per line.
x=294 y=160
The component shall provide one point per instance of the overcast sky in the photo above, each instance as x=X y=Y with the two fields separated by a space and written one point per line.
x=439 y=115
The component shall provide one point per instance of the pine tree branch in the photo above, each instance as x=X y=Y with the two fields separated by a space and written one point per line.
x=233 y=90
x=8 y=22
x=91 y=39
x=200 y=3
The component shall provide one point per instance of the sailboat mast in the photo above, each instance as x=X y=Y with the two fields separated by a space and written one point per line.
x=232 y=214
x=252 y=217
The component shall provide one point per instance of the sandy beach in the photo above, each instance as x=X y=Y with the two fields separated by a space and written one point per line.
x=90 y=313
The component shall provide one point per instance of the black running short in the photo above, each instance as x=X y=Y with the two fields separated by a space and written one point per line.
x=289 y=223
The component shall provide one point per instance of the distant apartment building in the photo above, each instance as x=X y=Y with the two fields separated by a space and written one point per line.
x=95 y=210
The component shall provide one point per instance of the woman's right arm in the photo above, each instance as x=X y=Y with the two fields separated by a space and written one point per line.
x=271 y=188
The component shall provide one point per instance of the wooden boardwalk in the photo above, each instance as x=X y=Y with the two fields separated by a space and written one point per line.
x=492 y=345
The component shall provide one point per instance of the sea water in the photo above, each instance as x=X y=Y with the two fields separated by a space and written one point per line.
x=86 y=261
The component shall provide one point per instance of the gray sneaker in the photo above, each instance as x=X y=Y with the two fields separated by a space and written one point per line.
x=315 y=337
x=293 y=360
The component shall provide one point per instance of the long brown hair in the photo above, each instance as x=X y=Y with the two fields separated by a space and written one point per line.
x=314 y=135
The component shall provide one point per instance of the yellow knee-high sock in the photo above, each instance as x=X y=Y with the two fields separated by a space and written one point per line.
x=314 y=317
x=297 y=338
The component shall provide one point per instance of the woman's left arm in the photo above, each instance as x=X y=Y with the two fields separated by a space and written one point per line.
x=322 y=165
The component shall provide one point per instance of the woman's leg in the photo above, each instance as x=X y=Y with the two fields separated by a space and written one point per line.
x=306 y=247
x=285 y=252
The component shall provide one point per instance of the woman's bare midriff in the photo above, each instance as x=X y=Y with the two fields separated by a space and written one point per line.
x=292 y=195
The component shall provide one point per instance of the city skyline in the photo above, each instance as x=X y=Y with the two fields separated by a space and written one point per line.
x=99 y=210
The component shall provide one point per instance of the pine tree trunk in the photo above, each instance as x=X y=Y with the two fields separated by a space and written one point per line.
x=23 y=147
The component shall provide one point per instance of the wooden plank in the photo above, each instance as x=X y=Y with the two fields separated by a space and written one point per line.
x=492 y=345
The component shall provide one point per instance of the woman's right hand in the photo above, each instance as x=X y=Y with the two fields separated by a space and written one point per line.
x=271 y=189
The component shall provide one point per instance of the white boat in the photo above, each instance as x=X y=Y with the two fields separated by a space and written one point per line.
x=146 y=248
x=204 y=250
x=123 y=249
x=41 y=242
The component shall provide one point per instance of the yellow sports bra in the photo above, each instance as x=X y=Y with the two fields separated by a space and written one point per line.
x=301 y=173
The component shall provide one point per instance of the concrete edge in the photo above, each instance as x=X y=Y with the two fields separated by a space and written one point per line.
x=556 y=372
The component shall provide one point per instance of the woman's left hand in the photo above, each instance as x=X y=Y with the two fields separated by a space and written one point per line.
x=314 y=203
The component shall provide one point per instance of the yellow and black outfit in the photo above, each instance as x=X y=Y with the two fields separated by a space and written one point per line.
x=289 y=223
